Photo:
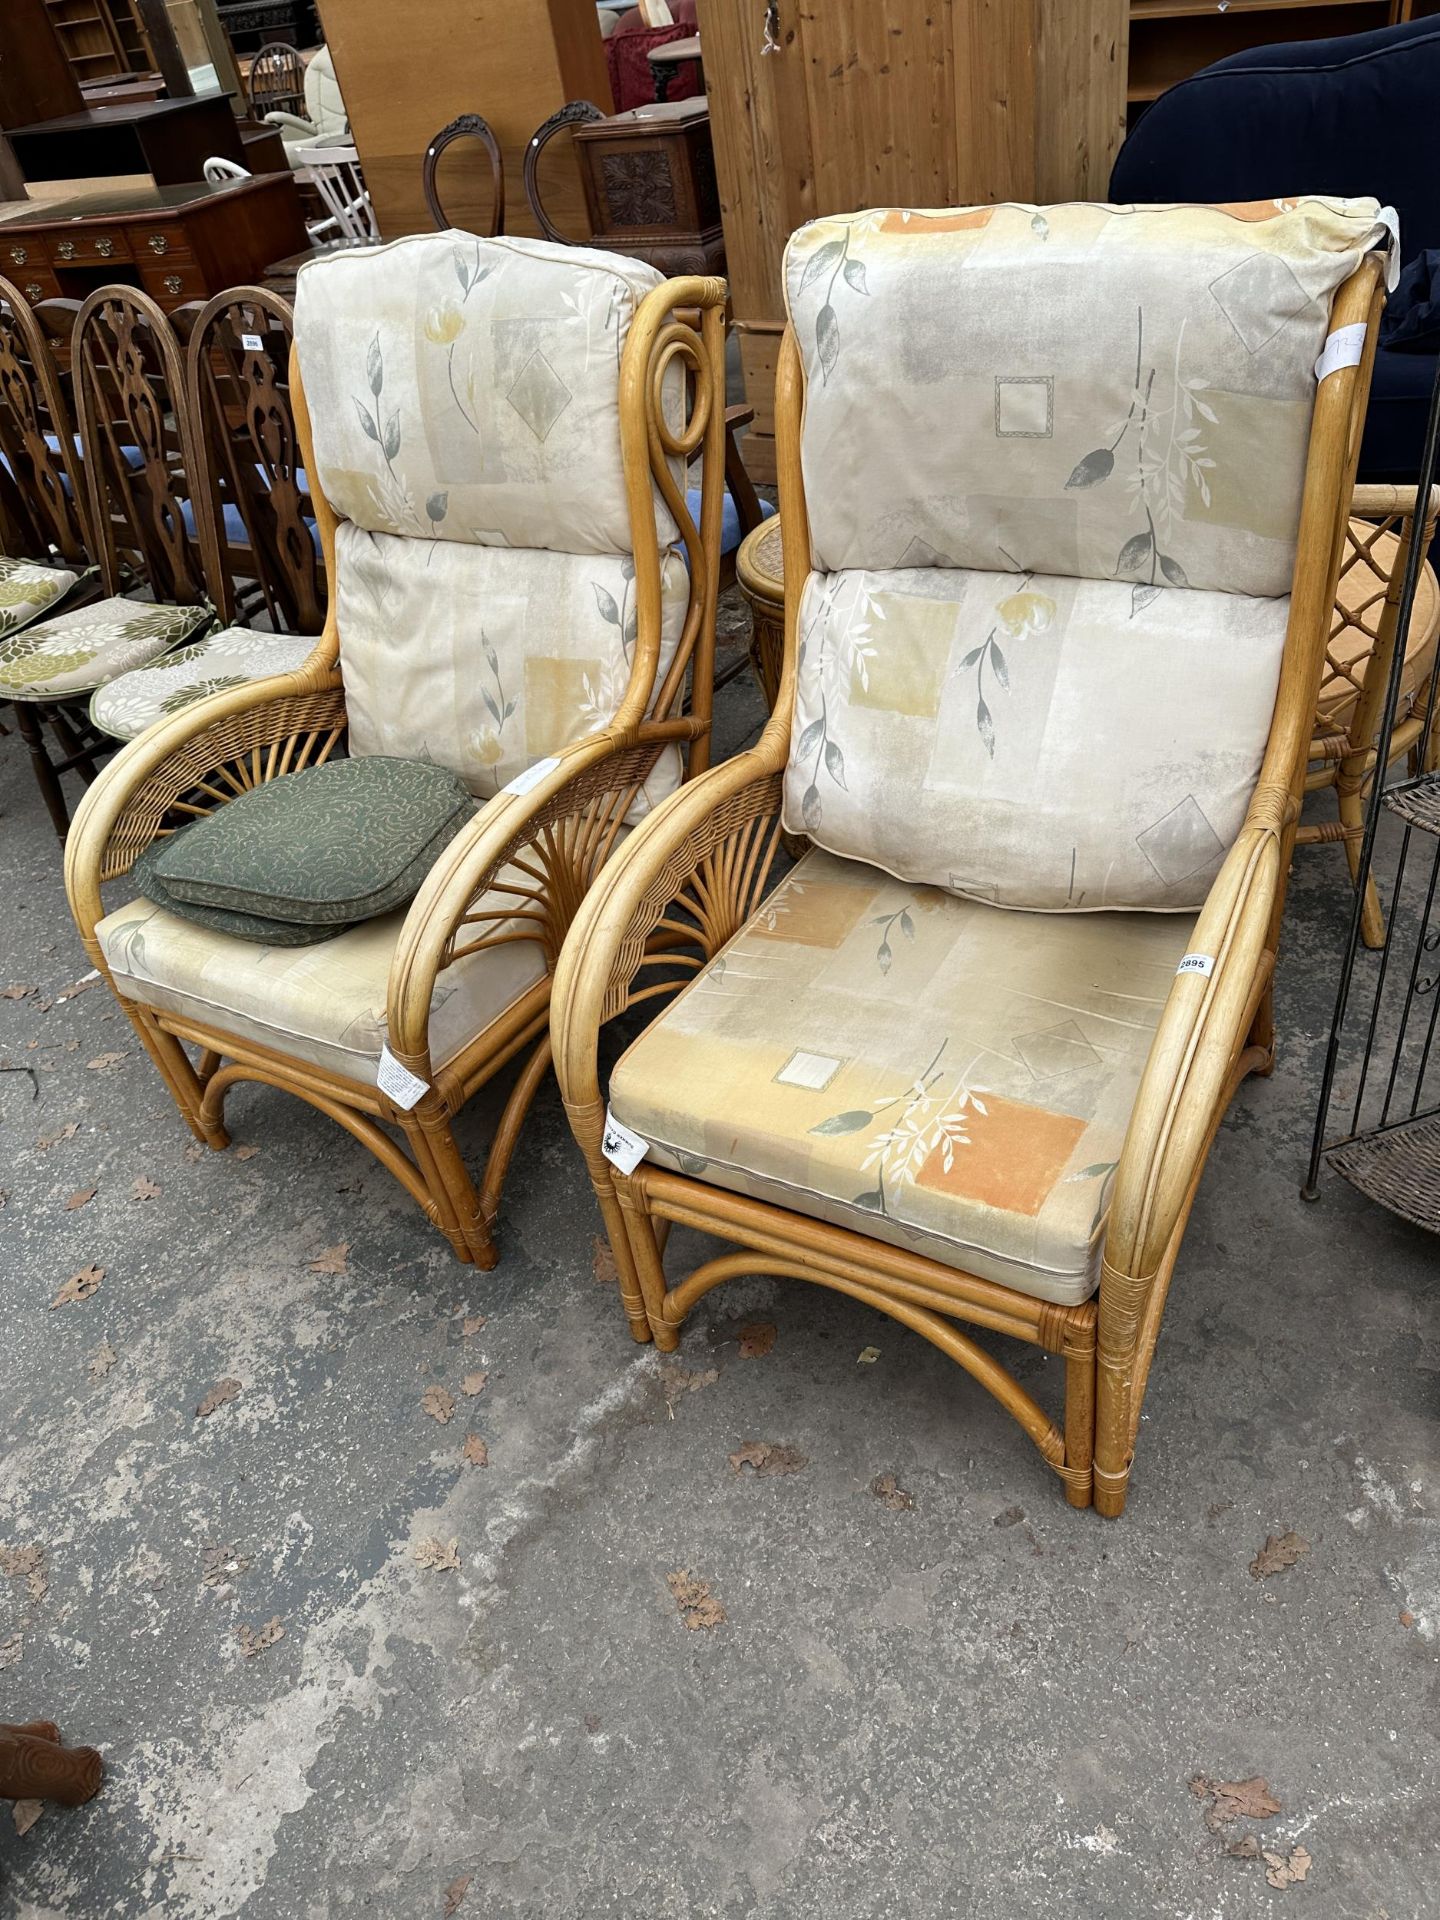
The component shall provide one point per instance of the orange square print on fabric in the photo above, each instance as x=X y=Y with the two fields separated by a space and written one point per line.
x=1014 y=1156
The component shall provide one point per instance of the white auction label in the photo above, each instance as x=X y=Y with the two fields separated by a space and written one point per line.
x=1390 y=220
x=252 y=342
x=532 y=776
x=1343 y=348
x=1201 y=963
x=397 y=1082
x=621 y=1147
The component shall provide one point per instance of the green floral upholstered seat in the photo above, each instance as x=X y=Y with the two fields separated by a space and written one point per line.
x=80 y=650
x=126 y=706
x=28 y=590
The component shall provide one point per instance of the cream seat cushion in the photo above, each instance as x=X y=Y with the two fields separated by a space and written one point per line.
x=918 y=1067
x=325 y=1004
x=1036 y=742
x=27 y=589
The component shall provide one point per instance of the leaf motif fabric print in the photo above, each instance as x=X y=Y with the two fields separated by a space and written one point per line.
x=384 y=429
x=1170 y=458
x=935 y=1115
x=835 y=259
x=1021 y=612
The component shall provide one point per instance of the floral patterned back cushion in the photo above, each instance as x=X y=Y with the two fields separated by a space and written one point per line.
x=1038 y=742
x=523 y=652
x=467 y=390
x=1119 y=393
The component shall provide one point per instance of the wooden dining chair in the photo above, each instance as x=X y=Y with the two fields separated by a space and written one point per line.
x=575 y=113
x=249 y=509
x=469 y=127
x=277 y=80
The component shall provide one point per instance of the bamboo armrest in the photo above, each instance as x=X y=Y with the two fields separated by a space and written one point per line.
x=257 y=732
x=1376 y=500
x=608 y=763
x=1201 y=1035
x=716 y=814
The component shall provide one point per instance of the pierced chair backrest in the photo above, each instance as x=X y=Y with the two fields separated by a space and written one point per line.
x=575 y=113
x=1053 y=466
x=41 y=511
x=130 y=384
x=277 y=80
x=503 y=559
x=467 y=126
x=252 y=501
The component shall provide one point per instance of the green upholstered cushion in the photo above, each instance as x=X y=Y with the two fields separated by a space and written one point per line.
x=325 y=847
x=241 y=926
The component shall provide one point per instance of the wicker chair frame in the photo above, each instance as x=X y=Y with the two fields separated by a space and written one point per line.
x=536 y=853
x=692 y=874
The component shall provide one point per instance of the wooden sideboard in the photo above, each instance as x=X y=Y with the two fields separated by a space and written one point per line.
x=178 y=243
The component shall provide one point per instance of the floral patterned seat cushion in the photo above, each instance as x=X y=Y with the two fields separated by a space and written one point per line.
x=917 y=1067
x=27 y=589
x=953 y=727
x=126 y=706
x=325 y=1004
x=78 y=651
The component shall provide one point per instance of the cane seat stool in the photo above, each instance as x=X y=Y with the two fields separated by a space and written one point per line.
x=496 y=434
x=1062 y=506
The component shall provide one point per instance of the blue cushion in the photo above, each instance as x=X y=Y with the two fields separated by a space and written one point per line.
x=730 y=529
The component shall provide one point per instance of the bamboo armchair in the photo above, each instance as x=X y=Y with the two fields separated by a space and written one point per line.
x=511 y=881
x=702 y=869
x=1358 y=657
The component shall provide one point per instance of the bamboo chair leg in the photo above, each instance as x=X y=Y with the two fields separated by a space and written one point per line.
x=1351 y=802
x=199 y=1111
x=46 y=778
x=649 y=1266
x=502 y=1147
x=1122 y=1299
x=587 y=1123
x=1079 y=1475
x=442 y=1167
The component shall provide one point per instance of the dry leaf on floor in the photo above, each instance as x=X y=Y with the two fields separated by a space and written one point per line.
x=25 y=1813
x=101 y=1361
x=438 y=1402
x=765 y=1458
x=472 y=1325
x=867 y=1356
x=474 y=1383
x=79 y=1286
x=77 y=987
x=889 y=1492
x=19 y=991
x=602 y=1262
x=1281 y=1550
x=222 y=1391
x=103 y=1062
x=455 y=1893
x=757 y=1337
x=677 y=1380
x=220 y=1563
x=699 y=1608
x=1287 y=1870
x=48 y=1140
x=253 y=1641
x=1247 y=1847
x=80 y=1198
x=1234 y=1799
x=27 y=1564
x=475 y=1453
x=195 y=1152
x=331 y=1259
x=440 y=1556
x=1407 y=1619
x=144 y=1188
x=10 y=1651
x=246 y=1153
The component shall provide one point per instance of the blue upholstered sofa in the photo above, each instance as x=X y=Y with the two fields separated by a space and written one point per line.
x=1353 y=115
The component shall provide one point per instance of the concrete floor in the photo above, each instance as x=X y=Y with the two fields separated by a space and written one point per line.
x=979 y=1703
